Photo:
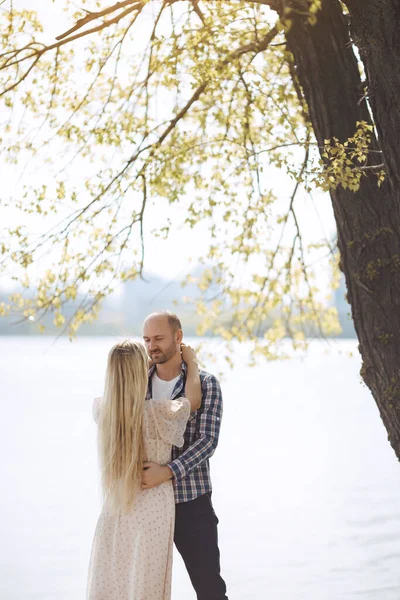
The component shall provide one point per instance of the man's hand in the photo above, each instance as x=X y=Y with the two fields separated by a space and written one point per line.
x=154 y=474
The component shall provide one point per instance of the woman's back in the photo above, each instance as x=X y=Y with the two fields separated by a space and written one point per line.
x=132 y=552
x=164 y=424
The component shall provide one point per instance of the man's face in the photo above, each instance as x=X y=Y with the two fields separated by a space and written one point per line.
x=161 y=341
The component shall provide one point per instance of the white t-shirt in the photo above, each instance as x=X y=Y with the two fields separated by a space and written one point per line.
x=162 y=389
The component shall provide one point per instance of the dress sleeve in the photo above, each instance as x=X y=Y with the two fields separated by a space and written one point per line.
x=96 y=409
x=171 y=417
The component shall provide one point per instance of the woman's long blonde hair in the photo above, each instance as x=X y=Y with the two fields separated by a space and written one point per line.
x=121 y=421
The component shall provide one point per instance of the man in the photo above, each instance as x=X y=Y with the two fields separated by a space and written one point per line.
x=196 y=535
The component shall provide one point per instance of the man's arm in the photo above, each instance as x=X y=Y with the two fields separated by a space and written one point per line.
x=210 y=423
x=204 y=447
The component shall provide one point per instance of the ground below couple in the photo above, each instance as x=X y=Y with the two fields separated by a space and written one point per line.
x=158 y=425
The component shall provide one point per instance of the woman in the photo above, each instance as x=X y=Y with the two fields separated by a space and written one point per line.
x=132 y=549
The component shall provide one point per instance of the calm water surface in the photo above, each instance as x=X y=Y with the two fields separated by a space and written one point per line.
x=306 y=486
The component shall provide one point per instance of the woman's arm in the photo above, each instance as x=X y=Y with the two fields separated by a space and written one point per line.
x=193 y=383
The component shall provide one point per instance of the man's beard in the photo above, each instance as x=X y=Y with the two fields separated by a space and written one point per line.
x=162 y=357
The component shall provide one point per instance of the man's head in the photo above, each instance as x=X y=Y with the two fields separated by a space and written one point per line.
x=162 y=335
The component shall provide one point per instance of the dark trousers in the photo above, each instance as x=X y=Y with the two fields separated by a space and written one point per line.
x=196 y=539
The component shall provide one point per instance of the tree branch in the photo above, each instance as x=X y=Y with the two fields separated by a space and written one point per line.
x=275 y=5
x=37 y=54
x=92 y=16
x=254 y=47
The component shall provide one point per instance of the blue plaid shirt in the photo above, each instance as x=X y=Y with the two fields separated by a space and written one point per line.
x=190 y=464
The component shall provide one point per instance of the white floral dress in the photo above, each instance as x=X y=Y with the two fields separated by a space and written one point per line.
x=132 y=553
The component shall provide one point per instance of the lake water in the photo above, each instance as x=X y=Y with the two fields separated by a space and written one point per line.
x=306 y=486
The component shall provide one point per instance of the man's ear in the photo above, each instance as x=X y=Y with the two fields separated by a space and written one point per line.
x=179 y=336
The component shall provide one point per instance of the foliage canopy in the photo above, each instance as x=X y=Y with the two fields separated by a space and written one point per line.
x=187 y=103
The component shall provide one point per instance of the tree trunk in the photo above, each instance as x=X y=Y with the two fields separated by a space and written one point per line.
x=368 y=222
x=375 y=30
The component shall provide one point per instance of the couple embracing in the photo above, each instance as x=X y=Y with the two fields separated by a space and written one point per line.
x=158 y=425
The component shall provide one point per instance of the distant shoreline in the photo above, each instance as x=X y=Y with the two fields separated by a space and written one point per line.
x=99 y=334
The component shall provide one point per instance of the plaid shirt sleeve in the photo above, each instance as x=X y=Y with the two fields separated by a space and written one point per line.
x=208 y=431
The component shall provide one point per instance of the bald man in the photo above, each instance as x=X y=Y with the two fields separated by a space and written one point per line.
x=196 y=536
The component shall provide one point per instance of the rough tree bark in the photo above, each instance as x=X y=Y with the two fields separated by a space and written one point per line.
x=368 y=221
x=375 y=30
